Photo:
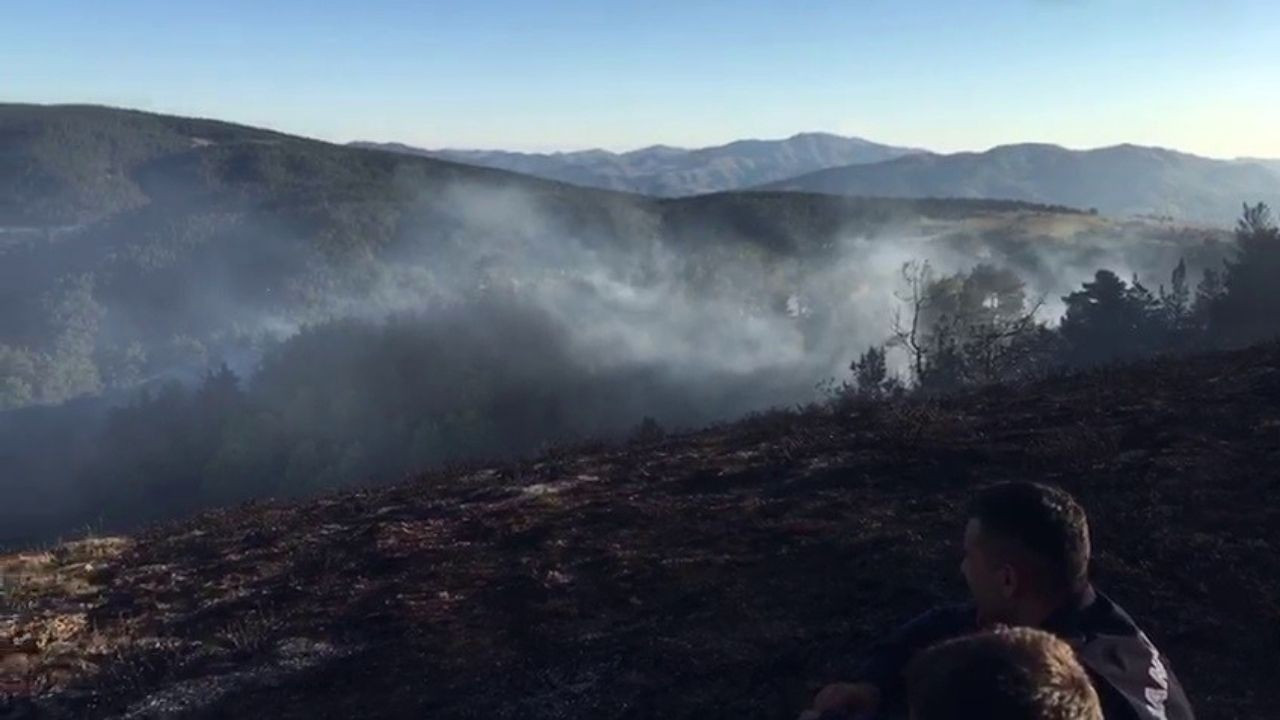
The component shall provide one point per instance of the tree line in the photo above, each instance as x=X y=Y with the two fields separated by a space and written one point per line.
x=981 y=327
x=352 y=401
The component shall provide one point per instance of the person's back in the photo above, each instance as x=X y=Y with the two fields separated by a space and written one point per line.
x=1006 y=674
x=1026 y=558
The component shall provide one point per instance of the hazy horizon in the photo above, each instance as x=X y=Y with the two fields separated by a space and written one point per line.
x=621 y=150
x=570 y=75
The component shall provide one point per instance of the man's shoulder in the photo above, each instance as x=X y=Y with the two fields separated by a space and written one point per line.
x=888 y=658
x=956 y=618
x=1105 y=617
x=933 y=626
x=1114 y=648
x=963 y=613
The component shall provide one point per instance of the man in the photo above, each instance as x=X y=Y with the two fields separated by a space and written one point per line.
x=1006 y=674
x=1026 y=564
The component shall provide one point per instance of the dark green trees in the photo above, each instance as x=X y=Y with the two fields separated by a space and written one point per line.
x=1109 y=319
x=1248 y=307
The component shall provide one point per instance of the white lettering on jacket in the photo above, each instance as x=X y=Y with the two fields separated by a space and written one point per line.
x=1156 y=696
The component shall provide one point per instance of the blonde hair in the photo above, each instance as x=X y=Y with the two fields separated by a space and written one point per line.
x=1004 y=674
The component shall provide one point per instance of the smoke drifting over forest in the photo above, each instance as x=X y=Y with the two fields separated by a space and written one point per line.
x=458 y=320
x=728 y=308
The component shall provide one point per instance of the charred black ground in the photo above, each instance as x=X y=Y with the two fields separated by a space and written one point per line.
x=726 y=573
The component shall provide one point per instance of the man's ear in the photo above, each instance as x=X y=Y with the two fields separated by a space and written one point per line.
x=1008 y=577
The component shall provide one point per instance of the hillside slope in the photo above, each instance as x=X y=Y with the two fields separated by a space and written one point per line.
x=1123 y=180
x=136 y=246
x=673 y=172
x=1270 y=163
x=68 y=165
x=725 y=573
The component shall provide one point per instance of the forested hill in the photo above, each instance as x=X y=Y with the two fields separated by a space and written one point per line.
x=1123 y=180
x=132 y=244
x=724 y=573
x=70 y=165
x=63 y=165
x=197 y=313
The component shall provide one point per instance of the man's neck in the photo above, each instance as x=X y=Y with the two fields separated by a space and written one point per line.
x=1042 y=613
x=1036 y=611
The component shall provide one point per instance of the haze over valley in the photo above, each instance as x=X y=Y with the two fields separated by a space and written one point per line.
x=516 y=312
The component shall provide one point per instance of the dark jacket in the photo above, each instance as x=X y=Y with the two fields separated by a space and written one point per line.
x=1133 y=680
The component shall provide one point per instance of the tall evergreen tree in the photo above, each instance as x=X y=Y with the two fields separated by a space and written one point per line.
x=1108 y=320
x=1248 y=309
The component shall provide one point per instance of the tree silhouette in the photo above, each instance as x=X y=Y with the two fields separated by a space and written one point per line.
x=963 y=329
x=1108 y=320
x=1248 y=308
x=871 y=379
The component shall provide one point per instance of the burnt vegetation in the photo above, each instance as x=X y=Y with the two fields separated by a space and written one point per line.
x=725 y=572
x=355 y=402
x=194 y=313
x=980 y=328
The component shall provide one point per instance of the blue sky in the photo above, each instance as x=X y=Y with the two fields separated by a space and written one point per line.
x=523 y=74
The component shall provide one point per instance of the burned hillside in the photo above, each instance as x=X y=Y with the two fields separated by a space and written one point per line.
x=724 y=573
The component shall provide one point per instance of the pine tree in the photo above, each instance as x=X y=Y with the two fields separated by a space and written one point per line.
x=1109 y=320
x=1248 y=308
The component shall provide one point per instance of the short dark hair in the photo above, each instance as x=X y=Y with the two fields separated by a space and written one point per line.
x=1044 y=520
x=1005 y=674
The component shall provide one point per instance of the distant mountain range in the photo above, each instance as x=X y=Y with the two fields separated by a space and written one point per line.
x=1123 y=180
x=664 y=171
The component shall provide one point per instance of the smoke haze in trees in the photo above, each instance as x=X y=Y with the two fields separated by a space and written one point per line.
x=534 y=322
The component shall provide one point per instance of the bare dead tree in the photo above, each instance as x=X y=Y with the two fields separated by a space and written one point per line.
x=909 y=334
x=951 y=341
x=990 y=348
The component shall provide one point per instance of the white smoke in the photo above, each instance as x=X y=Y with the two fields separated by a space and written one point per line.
x=724 y=312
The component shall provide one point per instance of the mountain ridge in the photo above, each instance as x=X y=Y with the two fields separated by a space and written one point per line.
x=666 y=171
x=1120 y=180
x=72 y=164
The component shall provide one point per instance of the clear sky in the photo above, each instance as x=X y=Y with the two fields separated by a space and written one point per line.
x=536 y=74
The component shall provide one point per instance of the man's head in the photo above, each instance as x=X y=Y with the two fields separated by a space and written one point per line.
x=1026 y=546
x=1006 y=674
